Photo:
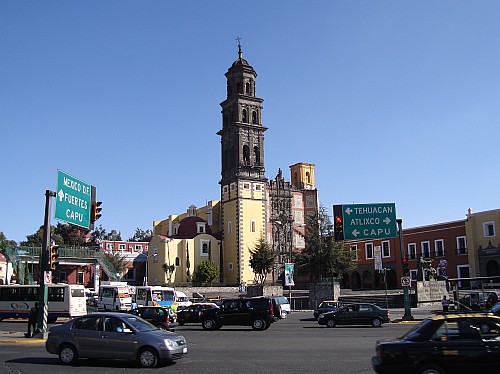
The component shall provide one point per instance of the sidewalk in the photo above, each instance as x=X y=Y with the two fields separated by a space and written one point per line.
x=418 y=314
x=18 y=337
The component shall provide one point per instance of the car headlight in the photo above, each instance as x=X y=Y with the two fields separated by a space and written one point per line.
x=169 y=343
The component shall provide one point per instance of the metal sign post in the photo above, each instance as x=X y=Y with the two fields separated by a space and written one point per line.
x=407 y=316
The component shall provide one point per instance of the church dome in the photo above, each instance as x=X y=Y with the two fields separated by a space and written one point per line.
x=188 y=228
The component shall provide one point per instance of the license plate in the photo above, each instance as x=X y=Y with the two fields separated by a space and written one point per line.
x=184 y=350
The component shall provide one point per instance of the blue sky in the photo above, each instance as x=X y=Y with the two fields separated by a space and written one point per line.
x=393 y=101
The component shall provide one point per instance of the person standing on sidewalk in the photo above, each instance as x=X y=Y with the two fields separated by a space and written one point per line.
x=445 y=303
x=32 y=319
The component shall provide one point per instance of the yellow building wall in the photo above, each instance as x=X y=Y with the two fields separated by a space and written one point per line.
x=474 y=228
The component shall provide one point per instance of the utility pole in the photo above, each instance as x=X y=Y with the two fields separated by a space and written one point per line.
x=407 y=316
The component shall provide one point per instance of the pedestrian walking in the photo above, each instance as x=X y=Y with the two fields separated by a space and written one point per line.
x=445 y=303
x=32 y=320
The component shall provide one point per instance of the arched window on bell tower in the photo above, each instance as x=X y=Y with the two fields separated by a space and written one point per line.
x=244 y=116
x=254 y=117
x=257 y=155
x=246 y=154
x=308 y=177
x=248 y=88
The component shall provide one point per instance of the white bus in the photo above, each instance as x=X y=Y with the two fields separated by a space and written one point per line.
x=64 y=300
x=155 y=295
x=114 y=296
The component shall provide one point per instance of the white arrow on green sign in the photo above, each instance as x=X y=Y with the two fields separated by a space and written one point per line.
x=369 y=221
x=73 y=200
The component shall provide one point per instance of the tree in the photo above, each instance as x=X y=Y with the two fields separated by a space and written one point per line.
x=4 y=242
x=207 y=271
x=99 y=234
x=141 y=236
x=119 y=262
x=262 y=261
x=71 y=234
x=169 y=270
x=323 y=257
x=36 y=239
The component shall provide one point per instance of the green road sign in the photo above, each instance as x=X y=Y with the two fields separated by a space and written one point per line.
x=369 y=221
x=73 y=200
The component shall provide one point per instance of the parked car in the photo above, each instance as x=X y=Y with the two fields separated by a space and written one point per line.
x=452 y=343
x=255 y=312
x=162 y=317
x=192 y=314
x=355 y=314
x=477 y=300
x=114 y=336
x=326 y=306
x=495 y=309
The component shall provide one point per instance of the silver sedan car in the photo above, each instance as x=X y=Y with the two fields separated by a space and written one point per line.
x=114 y=336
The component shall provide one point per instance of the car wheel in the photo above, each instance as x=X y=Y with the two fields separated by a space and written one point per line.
x=148 y=358
x=68 y=354
x=331 y=323
x=209 y=324
x=430 y=369
x=377 y=322
x=283 y=314
x=258 y=324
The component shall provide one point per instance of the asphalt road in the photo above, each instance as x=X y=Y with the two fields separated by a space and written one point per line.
x=294 y=345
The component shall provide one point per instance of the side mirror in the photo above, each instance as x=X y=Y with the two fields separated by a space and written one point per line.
x=128 y=331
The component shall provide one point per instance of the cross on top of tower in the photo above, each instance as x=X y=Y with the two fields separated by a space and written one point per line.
x=240 y=53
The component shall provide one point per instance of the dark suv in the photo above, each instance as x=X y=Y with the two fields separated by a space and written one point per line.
x=161 y=317
x=255 y=312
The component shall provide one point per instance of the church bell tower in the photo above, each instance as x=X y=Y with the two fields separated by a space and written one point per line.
x=243 y=183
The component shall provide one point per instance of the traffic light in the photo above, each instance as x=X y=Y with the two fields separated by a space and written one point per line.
x=338 y=222
x=406 y=269
x=95 y=212
x=53 y=257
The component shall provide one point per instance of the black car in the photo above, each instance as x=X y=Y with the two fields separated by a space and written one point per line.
x=161 y=317
x=255 y=312
x=192 y=313
x=355 y=314
x=326 y=306
x=451 y=343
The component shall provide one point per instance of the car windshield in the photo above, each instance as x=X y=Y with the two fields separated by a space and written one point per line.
x=140 y=324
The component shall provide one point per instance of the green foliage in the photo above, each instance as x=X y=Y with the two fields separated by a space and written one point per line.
x=141 y=236
x=262 y=261
x=71 y=234
x=207 y=271
x=99 y=234
x=4 y=242
x=36 y=239
x=118 y=261
x=169 y=270
x=323 y=257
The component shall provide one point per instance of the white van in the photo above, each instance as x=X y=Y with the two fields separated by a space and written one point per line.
x=114 y=296
x=182 y=300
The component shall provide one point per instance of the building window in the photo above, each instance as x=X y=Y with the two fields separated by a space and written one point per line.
x=229 y=227
x=109 y=247
x=177 y=261
x=354 y=252
x=258 y=187
x=412 y=251
x=204 y=248
x=461 y=245
x=246 y=186
x=62 y=277
x=369 y=250
x=225 y=189
x=254 y=117
x=233 y=186
x=79 y=277
x=200 y=227
x=386 y=249
x=253 y=226
x=155 y=253
x=230 y=266
x=463 y=272
x=489 y=229
x=122 y=247
x=426 y=250
x=439 y=247
x=413 y=274
x=138 y=247
x=244 y=116
x=176 y=228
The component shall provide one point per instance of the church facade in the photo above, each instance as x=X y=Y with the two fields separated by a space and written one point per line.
x=250 y=207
